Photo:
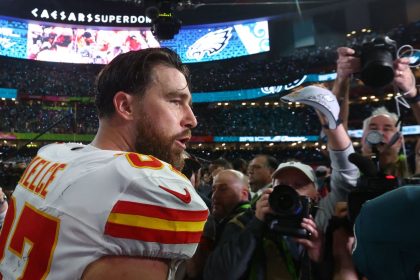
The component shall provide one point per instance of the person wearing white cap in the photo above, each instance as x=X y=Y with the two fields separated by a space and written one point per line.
x=299 y=176
x=249 y=250
x=344 y=174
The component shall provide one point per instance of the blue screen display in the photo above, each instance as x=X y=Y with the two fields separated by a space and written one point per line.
x=199 y=44
x=99 y=45
x=13 y=36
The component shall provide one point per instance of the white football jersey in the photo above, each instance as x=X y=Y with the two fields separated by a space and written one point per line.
x=75 y=204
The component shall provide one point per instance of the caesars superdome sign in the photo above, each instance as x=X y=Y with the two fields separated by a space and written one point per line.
x=91 y=18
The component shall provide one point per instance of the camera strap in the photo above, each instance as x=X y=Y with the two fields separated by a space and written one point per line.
x=305 y=266
x=301 y=271
x=288 y=258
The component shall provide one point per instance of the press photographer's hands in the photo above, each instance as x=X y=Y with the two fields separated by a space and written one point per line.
x=263 y=206
x=347 y=63
x=313 y=245
x=404 y=78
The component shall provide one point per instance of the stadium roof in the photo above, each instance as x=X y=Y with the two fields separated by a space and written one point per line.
x=189 y=11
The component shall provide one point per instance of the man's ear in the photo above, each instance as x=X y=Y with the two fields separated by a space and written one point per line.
x=123 y=103
x=245 y=194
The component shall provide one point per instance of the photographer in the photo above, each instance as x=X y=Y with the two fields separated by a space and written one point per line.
x=382 y=121
x=249 y=250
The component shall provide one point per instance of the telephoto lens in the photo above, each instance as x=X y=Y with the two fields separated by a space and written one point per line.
x=284 y=200
x=290 y=208
x=377 y=58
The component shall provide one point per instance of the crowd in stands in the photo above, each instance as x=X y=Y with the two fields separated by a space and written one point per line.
x=234 y=120
x=46 y=79
x=35 y=78
x=36 y=117
x=259 y=121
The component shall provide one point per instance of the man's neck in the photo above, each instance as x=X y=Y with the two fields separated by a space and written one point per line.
x=113 y=137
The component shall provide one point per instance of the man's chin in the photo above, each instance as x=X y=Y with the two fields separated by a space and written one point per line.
x=177 y=161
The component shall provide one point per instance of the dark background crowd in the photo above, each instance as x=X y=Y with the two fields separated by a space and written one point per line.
x=36 y=78
x=58 y=98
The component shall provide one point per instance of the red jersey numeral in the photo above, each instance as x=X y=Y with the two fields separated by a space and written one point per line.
x=36 y=229
x=147 y=161
x=143 y=161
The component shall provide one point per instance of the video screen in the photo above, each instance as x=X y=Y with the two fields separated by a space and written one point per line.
x=80 y=45
x=207 y=43
x=13 y=36
x=99 y=45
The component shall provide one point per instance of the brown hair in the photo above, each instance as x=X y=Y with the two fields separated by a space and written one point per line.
x=132 y=72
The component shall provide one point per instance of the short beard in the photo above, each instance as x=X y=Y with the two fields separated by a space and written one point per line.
x=151 y=141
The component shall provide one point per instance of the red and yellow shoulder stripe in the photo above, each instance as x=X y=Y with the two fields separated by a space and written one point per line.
x=153 y=223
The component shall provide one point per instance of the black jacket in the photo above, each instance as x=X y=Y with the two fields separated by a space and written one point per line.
x=236 y=242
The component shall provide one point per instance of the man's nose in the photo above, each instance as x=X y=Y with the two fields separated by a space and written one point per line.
x=189 y=120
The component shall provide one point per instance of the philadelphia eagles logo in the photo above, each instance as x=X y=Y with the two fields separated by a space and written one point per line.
x=212 y=43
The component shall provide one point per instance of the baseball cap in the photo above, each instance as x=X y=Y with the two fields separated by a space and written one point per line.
x=319 y=98
x=306 y=169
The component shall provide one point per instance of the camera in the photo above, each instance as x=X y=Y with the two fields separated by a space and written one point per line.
x=164 y=23
x=367 y=189
x=290 y=208
x=376 y=58
x=370 y=185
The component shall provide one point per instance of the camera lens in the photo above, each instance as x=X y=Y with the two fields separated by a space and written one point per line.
x=378 y=69
x=377 y=62
x=284 y=200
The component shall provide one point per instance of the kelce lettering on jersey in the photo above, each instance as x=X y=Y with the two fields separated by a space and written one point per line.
x=39 y=175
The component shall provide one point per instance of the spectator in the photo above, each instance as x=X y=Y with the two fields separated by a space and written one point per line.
x=247 y=250
x=230 y=191
x=381 y=120
x=229 y=200
x=259 y=172
x=215 y=167
x=240 y=164
x=218 y=165
x=192 y=171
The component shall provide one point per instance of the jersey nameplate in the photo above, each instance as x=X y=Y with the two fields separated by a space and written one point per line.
x=39 y=174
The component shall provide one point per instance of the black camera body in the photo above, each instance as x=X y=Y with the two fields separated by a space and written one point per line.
x=370 y=185
x=368 y=188
x=376 y=58
x=290 y=208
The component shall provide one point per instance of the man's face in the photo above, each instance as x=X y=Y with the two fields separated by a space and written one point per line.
x=228 y=191
x=296 y=179
x=386 y=126
x=164 y=117
x=259 y=173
